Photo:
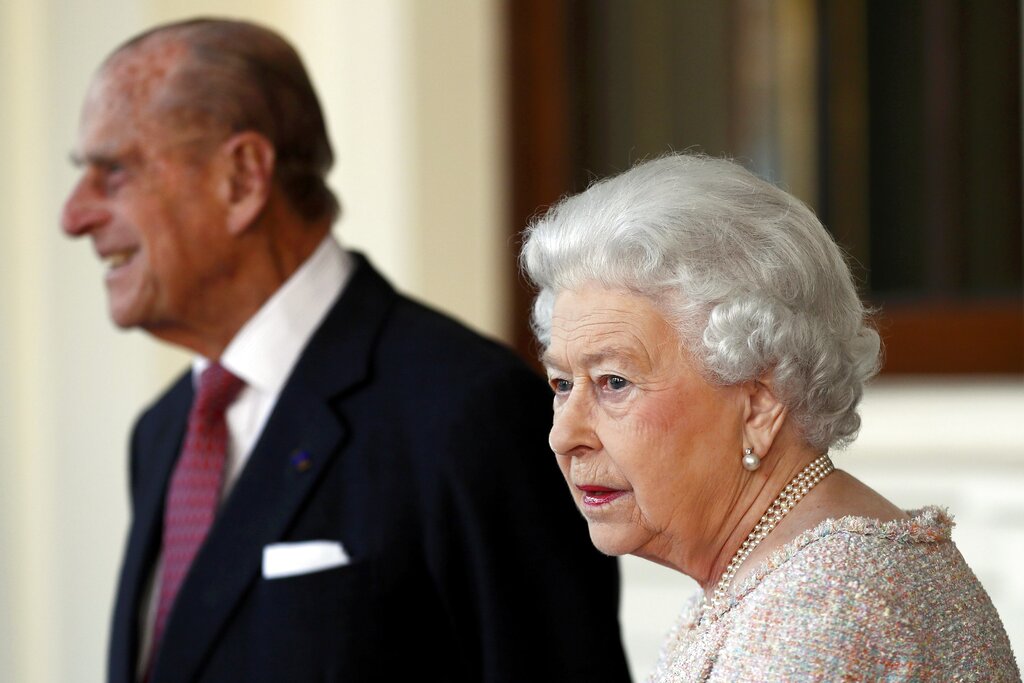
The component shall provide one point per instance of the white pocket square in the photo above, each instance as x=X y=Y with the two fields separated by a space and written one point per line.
x=292 y=559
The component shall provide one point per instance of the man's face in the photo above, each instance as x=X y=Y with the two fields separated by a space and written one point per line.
x=151 y=203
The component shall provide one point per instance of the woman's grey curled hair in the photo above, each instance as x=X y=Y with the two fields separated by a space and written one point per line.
x=746 y=272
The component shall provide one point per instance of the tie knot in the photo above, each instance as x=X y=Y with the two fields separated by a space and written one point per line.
x=217 y=389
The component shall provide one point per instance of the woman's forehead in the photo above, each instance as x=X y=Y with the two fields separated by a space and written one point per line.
x=596 y=324
x=598 y=310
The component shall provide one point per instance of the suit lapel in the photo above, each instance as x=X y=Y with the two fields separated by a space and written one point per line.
x=303 y=435
x=160 y=454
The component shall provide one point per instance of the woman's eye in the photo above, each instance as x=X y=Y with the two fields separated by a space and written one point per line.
x=561 y=386
x=616 y=383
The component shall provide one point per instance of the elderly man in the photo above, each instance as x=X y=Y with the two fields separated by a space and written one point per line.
x=346 y=486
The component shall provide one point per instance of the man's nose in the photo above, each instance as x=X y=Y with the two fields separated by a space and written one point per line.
x=83 y=212
x=572 y=427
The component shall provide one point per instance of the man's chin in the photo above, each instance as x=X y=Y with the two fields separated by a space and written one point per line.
x=123 y=317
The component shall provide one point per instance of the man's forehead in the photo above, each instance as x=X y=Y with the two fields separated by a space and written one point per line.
x=109 y=120
x=137 y=74
x=155 y=54
x=124 y=100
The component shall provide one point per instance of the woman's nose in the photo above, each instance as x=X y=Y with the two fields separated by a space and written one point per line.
x=572 y=427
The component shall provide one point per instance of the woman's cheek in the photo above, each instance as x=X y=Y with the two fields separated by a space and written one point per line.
x=564 y=463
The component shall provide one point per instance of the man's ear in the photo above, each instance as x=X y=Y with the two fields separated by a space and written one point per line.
x=250 y=169
x=764 y=416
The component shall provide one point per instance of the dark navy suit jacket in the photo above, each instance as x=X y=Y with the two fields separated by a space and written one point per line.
x=421 y=447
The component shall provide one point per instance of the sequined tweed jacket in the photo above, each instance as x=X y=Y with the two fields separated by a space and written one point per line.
x=850 y=600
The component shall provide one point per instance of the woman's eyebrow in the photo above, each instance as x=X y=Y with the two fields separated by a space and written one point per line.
x=621 y=354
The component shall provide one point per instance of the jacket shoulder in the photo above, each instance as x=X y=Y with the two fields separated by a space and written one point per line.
x=422 y=333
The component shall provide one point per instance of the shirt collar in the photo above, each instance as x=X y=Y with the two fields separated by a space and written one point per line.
x=267 y=347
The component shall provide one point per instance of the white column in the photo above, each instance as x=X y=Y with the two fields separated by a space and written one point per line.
x=458 y=136
x=27 y=610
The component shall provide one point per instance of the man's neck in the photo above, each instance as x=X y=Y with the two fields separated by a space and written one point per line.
x=217 y=318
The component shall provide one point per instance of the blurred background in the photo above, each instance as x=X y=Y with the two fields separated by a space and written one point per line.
x=453 y=122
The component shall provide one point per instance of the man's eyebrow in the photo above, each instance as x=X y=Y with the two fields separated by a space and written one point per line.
x=91 y=159
x=100 y=158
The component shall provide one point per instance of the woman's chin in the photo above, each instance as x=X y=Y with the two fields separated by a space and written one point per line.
x=612 y=541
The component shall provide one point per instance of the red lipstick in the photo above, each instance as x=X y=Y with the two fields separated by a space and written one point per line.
x=599 y=495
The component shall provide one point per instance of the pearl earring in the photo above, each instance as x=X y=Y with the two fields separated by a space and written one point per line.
x=750 y=460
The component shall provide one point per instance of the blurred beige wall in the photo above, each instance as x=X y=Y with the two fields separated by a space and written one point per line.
x=412 y=94
x=412 y=91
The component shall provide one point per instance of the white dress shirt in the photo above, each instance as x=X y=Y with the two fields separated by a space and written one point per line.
x=263 y=354
x=267 y=347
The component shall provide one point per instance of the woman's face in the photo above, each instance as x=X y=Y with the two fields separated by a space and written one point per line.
x=642 y=440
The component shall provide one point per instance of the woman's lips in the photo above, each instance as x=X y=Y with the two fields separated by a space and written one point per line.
x=599 y=495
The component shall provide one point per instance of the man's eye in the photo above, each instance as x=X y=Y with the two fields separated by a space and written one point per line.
x=113 y=176
x=616 y=383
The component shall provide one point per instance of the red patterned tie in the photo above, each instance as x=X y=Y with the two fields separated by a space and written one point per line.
x=194 y=490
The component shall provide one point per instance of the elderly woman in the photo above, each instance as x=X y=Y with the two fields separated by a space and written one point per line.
x=707 y=348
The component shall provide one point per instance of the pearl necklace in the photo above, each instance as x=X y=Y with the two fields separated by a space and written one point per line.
x=796 y=489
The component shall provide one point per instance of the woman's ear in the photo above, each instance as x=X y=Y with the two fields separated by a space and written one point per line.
x=250 y=169
x=763 y=417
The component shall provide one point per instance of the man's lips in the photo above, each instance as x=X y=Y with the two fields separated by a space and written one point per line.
x=115 y=258
x=599 y=495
